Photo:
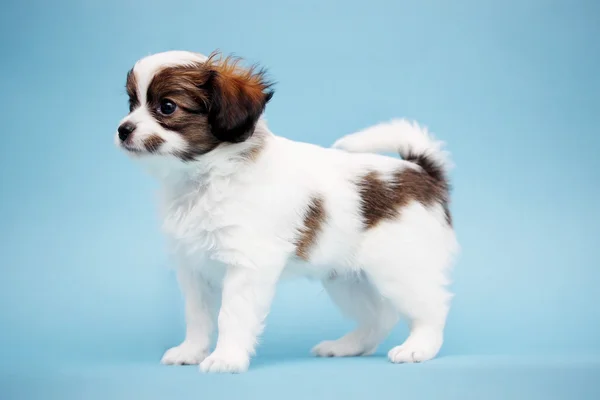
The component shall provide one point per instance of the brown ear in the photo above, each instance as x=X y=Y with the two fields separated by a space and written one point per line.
x=237 y=98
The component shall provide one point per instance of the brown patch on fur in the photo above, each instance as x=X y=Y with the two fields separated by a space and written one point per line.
x=184 y=86
x=131 y=87
x=252 y=81
x=384 y=199
x=437 y=172
x=376 y=199
x=152 y=144
x=217 y=101
x=313 y=222
x=239 y=97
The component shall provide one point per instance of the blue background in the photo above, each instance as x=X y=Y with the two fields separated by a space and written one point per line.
x=87 y=301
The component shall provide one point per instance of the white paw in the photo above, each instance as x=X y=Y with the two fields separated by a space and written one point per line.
x=421 y=345
x=343 y=347
x=414 y=351
x=225 y=362
x=184 y=354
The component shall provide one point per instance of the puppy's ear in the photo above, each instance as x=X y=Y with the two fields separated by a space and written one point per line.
x=237 y=98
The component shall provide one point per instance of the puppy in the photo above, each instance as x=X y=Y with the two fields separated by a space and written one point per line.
x=243 y=208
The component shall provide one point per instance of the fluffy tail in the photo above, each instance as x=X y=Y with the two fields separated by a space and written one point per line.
x=413 y=142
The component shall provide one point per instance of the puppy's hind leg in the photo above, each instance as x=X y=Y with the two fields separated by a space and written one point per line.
x=358 y=300
x=411 y=273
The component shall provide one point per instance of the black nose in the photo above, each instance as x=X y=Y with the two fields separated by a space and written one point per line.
x=125 y=130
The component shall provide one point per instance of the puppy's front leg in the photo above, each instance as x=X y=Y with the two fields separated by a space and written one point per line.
x=247 y=295
x=201 y=299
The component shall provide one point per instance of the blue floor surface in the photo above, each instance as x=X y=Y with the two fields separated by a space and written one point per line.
x=467 y=377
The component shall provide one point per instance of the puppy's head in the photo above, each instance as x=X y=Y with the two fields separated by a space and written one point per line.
x=184 y=104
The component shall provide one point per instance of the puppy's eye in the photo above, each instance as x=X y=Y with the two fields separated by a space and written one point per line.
x=167 y=107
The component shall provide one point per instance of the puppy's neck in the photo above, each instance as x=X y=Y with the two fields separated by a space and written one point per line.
x=223 y=162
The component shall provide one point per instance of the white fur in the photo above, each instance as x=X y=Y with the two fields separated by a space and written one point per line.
x=232 y=224
x=399 y=135
x=147 y=66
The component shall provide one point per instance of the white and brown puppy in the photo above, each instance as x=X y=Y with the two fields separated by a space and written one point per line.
x=243 y=207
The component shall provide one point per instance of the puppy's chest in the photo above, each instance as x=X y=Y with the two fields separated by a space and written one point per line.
x=197 y=216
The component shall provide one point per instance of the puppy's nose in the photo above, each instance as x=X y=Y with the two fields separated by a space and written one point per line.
x=125 y=130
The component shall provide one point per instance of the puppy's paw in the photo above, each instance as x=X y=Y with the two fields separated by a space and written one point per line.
x=413 y=352
x=184 y=354
x=421 y=345
x=233 y=362
x=341 y=348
